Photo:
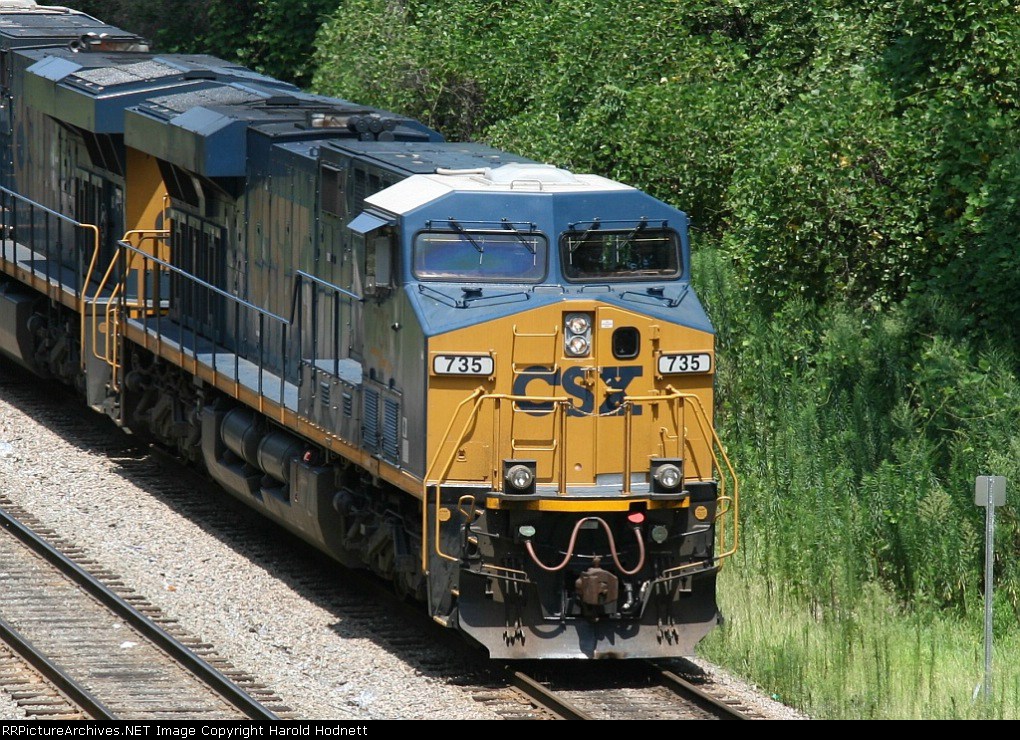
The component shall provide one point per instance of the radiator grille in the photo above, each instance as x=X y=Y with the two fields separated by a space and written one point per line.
x=391 y=431
x=370 y=423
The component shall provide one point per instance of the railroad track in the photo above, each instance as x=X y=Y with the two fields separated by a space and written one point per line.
x=98 y=655
x=365 y=605
x=632 y=690
x=650 y=691
x=544 y=690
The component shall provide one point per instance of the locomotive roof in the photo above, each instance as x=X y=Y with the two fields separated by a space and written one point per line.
x=414 y=158
x=24 y=23
x=528 y=178
x=206 y=130
x=91 y=90
x=99 y=72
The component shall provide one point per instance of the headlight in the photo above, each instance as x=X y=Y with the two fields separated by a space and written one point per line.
x=667 y=474
x=577 y=346
x=578 y=324
x=519 y=476
x=577 y=334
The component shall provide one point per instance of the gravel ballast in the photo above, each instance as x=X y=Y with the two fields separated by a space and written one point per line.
x=321 y=663
x=9 y=708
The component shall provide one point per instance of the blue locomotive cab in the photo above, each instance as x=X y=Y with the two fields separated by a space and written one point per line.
x=570 y=473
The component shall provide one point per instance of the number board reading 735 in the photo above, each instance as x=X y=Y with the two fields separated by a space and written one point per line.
x=691 y=362
x=463 y=365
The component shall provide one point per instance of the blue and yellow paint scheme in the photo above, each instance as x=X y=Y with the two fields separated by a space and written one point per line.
x=595 y=555
x=485 y=378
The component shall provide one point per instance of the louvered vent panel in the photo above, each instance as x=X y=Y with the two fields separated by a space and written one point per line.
x=370 y=421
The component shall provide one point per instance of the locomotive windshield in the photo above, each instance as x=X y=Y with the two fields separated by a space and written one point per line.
x=640 y=253
x=511 y=256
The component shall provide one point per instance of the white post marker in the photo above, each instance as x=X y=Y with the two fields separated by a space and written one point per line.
x=989 y=492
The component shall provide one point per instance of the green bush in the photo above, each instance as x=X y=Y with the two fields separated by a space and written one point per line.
x=829 y=198
x=858 y=435
x=635 y=95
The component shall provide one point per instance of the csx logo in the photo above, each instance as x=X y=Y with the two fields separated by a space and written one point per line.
x=572 y=381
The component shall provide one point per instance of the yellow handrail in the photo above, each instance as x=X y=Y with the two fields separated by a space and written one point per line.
x=721 y=498
x=425 y=487
x=95 y=299
x=113 y=309
x=478 y=396
x=82 y=298
x=112 y=312
x=726 y=503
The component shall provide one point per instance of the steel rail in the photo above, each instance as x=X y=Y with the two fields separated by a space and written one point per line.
x=72 y=689
x=211 y=677
x=692 y=693
x=546 y=698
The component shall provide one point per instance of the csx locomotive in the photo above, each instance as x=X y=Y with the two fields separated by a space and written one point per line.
x=485 y=378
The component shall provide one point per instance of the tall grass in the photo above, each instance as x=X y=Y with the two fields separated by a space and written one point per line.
x=872 y=659
x=857 y=435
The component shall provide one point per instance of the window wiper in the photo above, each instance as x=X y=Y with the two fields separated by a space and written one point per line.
x=527 y=245
x=584 y=237
x=630 y=237
x=460 y=230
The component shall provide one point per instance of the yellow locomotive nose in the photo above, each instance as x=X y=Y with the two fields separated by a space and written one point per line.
x=574 y=483
x=589 y=396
